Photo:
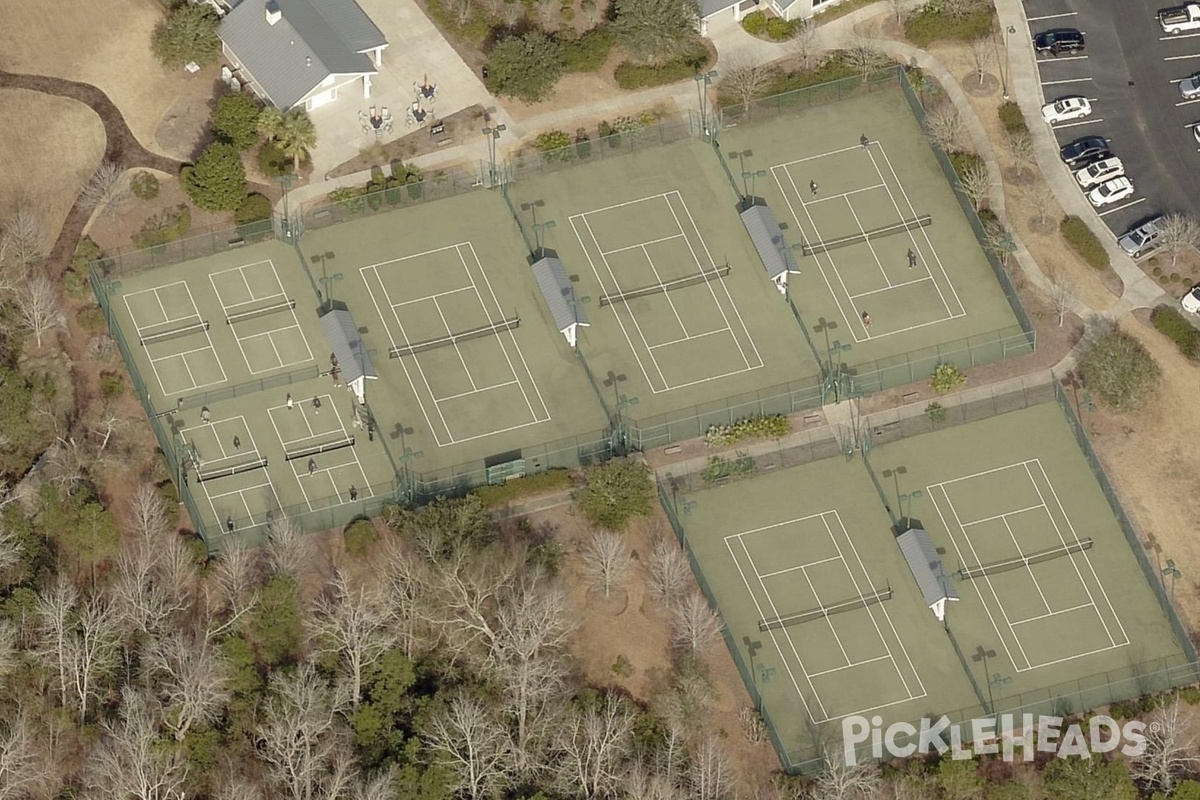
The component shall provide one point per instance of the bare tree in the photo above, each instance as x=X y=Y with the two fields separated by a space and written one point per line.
x=643 y=781
x=1040 y=201
x=55 y=614
x=669 y=570
x=547 y=10
x=983 y=53
x=92 y=652
x=405 y=583
x=976 y=183
x=465 y=737
x=863 y=55
x=39 y=310
x=26 y=768
x=710 y=775
x=899 y=8
x=693 y=623
x=232 y=590
x=804 y=42
x=842 y=782
x=381 y=786
x=238 y=787
x=593 y=746
x=462 y=10
x=195 y=681
x=353 y=624
x=23 y=237
x=1170 y=752
x=1062 y=290
x=1178 y=233
x=130 y=763
x=153 y=576
x=1021 y=148
x=289 y=551
x=745 y=77
x=945 y=127
x=958 y=9
x=106 y=190
x=299 y=735
x=606 y=561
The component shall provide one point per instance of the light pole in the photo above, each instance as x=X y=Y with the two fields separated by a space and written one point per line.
x=983 y=655
x=1171 y=570
x=741 y=156
x=1004 y=69
x=752 y=647
x=703 y=81
x=286 y=181
x=836 y=349
x=613 y=381
x=753 y=176
x=538 y=227
x=895 y=474
x=493 y=133
x=825 y=326
x=407 y=456
x=326 y=279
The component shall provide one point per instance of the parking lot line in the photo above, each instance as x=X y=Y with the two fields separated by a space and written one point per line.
x=1178 y=36
x=1052 y=59
x=1180 y=58
x=1122 y=208
x=1054 y=16
x=1068 y=80
x=1188 y=102
x=1076 y=124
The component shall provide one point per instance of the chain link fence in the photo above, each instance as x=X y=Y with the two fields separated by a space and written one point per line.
x=637 y=137
x=359 y=204
x=798 y=100
x=197 y=245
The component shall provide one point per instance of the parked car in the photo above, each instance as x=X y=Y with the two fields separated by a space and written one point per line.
x=1100 y=172
x=1066 y=108
x=1111 y=192
x=1191 y=300
x=1180 y=18
x=1085 y=151
x=1189 y=87
x=1059 y=40
x=1141 y=238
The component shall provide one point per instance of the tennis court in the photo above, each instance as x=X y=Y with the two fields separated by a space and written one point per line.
x=681 y=311
x=470 y=362
x=888 y=261
x=1052 y=607
x=223 y=344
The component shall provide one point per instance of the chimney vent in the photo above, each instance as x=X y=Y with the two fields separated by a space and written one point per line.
x=273 y=12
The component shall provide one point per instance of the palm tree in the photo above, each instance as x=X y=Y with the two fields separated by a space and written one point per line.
x=293 y=131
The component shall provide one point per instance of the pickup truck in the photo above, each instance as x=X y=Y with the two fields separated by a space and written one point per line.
x=1180 y=18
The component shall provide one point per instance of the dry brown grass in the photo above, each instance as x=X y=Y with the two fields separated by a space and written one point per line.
x=49 y=147
x=105 y=44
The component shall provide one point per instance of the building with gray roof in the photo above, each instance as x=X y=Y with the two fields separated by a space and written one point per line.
x=768 y=240
x=302 y=53
x=346 y=344
x=559 y=294
x=926 y=566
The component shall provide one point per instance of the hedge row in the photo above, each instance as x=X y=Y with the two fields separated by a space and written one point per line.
x=931 y=25
x=1077 y=234
x=1011 y=118
x=1172 y=324
x=589 y=52
x=638 y=76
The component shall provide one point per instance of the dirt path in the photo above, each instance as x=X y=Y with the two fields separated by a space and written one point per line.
x=121 y=147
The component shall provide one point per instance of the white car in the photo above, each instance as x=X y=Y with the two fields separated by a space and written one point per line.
x=1191 y=301
x=1111 y=192
x=1100 y=172
x=1066 y=108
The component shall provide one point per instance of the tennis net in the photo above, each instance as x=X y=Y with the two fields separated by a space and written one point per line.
x=446 y=341
x=287 y=305
x=312 y=450
x=704 y=276
x=809 y=248
x=186 y=330
x=225 y=472
x=1049 y=554
x=862 y=601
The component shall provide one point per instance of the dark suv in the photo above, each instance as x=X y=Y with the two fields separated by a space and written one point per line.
x=1087 y=150
x=1059 y=40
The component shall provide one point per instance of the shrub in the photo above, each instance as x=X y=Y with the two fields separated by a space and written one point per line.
x=349 y=198
x=235 y=120
x=144 y=186
x=770 y=426
x=947 y=378
x=218 y=180
x=935 y=412
x=1118 y=369
x=1125 y=709
x=188 y=33
x=112 y=384
x=616 y=492
x=520 y=487
x=781 y=29
x=554 y=145
x=755 y=23
x=719 y=468
x=1011 y=118
x=1084 y=242
x=254 y=208
x=1190 y=695
x=525 y=67
x=589 y=52
x=637 y=76
x=1172 y=324
x=86 y=251
x=965 y=163
x=931 y=24
x=1157 y=272
x=272 y=161
x=359 y=536
x=162 y=228
x=1176 y=277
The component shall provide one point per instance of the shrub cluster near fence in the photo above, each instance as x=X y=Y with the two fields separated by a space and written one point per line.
x=199 y=245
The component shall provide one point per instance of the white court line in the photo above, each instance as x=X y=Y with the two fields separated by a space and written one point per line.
x=474 y=391
x=242 y=496
x=667 y=294
x=1055 y=613
x=1036 y=583
x=800 y=566
x=820 y=155
x=1122 y=207
x=691 y=337
x=434 y=296
x=454 y=344
x=870 y=247
x=893 y=286
x=642 y=245
x=851 y=665
x=824 y=198
x=1002 y=516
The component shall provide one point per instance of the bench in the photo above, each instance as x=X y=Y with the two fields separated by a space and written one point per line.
x=672 y=450
x=235 y=243
x=911 y=396
x=812 y=419
x=444 y=142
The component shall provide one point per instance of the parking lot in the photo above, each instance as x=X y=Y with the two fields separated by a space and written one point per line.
x=1129 y=71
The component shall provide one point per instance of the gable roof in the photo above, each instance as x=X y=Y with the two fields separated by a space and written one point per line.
x=347 y=345
x=710 y=7
x=313 y=40
x=926 y=566
x=551 y=277
x=764 y=231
